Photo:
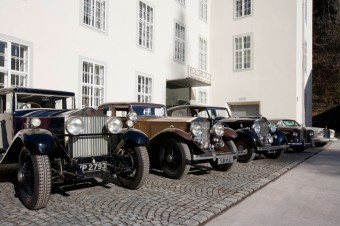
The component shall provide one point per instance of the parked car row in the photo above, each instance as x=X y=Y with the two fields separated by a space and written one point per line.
x=52 y=142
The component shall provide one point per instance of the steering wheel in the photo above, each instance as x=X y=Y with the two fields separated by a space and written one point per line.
x=25 y=105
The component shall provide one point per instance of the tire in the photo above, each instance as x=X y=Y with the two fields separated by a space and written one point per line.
x=244 y=144
x=139 y=159
x=34 y=177
x=225 y=167
x=275 y=155
x=175 y=158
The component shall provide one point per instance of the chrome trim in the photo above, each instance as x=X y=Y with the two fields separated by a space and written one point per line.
x=269 y=147
x=208 y=157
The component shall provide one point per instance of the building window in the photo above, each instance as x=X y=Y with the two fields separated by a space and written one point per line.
x=13 y=64
x=204 y=10
x=94 y=14
x=145 y=25
x=179 y=43
x=181 y=2
x=92 y=84
x=203 y=54
x=144 y=89
x=243 y=8
x=242 y=52
x=202 y=97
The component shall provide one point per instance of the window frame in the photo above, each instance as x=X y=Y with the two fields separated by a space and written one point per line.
x=181 y=2
x=202 y=53
x=181 y=40
x=242 y=52
x=243 y=8
x=93 y=99
x=203 y=10
x=16 y=65
x=201 y=99
x=144 y=95
x=140 y=35
x=93 y=18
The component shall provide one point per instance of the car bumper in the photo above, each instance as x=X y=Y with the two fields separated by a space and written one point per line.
x=270 y=148
x=213 y=156
x=324 y=140
x=299 y=144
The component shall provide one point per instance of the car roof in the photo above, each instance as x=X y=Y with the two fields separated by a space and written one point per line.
x=132 y=103
x=193 y=106
x=32 y=90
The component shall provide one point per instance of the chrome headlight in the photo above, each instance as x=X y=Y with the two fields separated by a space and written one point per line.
x=295 y=134
x=272 y=127
x=332 y=134
x=35 y=122
x=132 y=116
x=320 y=133
x=196 y=129
x=218 y=129
x=114 y=125
x=256 y=128
x=311 y=133
x=74 y=125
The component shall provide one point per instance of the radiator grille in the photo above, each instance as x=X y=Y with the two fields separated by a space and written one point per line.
x=264 y=131
x=91 y=142
x=205 y=131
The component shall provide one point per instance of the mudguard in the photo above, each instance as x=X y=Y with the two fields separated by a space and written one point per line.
x=229 y=133
x=135 y=137
x=178 y=132
x=280 y=138
x=37 y=141
x=249 y=135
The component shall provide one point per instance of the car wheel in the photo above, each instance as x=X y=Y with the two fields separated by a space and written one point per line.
x=175 y=158
x=276 y=155
x=138 y=159
x=34 y=177
x=243 y=145
x=225 y=167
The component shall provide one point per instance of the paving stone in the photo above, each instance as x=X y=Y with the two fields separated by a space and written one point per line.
x=200 y=196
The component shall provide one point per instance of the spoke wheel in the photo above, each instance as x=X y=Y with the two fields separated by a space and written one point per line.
x=175 y=158
x=34 y=178
x=138 y=160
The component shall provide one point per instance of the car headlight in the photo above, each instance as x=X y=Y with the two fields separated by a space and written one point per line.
x=35 y=122
x=256 y=128
x=218 y=129
x=196 y=129
x=272 y=127
x=132 y=116
x=74 y=125
x=295 y=134
x=114 y=125
x=320 y=133
x=311 y=133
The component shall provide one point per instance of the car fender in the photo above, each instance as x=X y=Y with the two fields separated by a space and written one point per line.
x=229 y=133
x=37 y=141
x=247 y=134
x=177 y=132
x=135 y=137
x=280 y=138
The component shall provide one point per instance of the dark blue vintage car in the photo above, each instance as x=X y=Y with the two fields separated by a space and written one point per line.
x=52 y=142
x=254 y=134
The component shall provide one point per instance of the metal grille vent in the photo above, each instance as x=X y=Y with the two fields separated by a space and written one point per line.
x=91 y=142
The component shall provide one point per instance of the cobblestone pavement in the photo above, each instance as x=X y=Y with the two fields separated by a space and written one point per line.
x=201 y=195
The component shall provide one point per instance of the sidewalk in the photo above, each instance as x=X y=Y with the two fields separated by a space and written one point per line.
x=309 y=195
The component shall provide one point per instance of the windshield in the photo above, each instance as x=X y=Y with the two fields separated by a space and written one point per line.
x=218 y=112
x=147 y=110
x=290 y=123
x=28 y=100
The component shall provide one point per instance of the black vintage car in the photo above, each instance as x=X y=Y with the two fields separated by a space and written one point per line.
x=54 y=143
x=176 y=143
x=298 y=136
x=254 y=134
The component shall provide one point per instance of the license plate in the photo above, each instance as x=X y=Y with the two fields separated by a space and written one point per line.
x=92 y=167
x=226 y=160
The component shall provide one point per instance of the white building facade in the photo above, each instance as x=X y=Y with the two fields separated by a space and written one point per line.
x=253 y=56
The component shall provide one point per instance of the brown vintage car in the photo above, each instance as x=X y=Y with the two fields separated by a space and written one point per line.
x=177 y=142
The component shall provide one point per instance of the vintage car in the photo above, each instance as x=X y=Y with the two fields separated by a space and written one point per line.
x=176 y=142
x=299 y=138
x=322 y=135
x=54 y=143
x=254 y=134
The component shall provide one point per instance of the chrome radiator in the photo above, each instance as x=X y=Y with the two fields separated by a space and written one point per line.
x=91 y=142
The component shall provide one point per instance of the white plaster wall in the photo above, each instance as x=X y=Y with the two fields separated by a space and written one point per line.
x=276 y=61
